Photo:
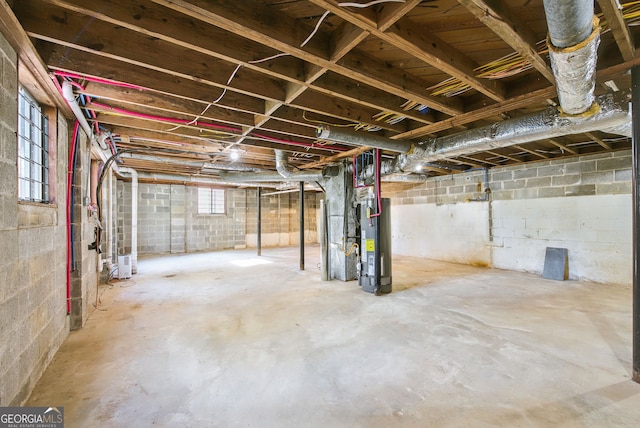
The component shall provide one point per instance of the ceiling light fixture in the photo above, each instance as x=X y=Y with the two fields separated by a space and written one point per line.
x=235 y=155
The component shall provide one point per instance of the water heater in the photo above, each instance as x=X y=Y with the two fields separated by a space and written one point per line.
x=374 y=265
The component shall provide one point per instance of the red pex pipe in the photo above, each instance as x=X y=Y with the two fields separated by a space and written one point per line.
x=98 y=80
x=165 y=119
x=72 y=153
x=204 y=124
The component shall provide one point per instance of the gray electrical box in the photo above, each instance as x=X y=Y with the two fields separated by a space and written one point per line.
x=374 y=265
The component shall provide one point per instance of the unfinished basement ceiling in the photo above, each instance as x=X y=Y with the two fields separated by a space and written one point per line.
x=197 y=87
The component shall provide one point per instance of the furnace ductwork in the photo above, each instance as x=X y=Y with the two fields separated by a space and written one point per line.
x=366 y=139
x=195 y=180
x=613 y=114
x=283 y=168
x=574 y=36
x=285 y=173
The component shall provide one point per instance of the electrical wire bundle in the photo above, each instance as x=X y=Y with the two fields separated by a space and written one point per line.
x=514 y=63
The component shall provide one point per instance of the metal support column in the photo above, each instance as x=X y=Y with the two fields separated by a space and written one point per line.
x=301 y=225
x=635 y=85
x=259 y=234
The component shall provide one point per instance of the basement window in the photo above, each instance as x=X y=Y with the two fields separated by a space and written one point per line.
x=33 y=149
x=211 y=201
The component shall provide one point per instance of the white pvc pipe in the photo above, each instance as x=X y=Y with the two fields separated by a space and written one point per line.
x=109 y=226
x=134 y=216
x=67 y=93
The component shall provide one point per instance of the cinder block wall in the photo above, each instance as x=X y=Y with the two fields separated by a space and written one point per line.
x=206 y=232
x=84 y=274
x=168 y=220
x=33 y=250
x=281 y=218
x=581 y=203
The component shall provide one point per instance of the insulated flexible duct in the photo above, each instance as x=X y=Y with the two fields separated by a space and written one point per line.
x=574 y=36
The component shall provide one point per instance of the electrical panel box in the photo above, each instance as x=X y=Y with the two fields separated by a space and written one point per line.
x=124 y=266
x=374 y=266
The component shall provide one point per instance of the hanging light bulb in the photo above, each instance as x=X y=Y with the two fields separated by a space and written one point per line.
x=235 y=155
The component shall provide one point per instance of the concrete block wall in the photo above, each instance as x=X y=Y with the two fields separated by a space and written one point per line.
x=178 y=226
x=168 y=220
x=208 y=232
x=84 y=275
x=281 y=218
x=154 y=218
x=33 y=320
x=581 y=203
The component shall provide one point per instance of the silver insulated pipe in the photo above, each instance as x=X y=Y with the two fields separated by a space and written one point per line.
x=285 y=170
x=613 y=114
x=574 y=36
x=285 y=173
x=367 y=139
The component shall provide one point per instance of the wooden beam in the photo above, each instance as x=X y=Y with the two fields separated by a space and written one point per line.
x=330 y=159
x=622 y=35
x=504 y=156
x=154 y=22
x=414 y=40
x=68 y=60
x=164 y=103
x=481 y=161
x=465 y=162
x=598 y=140
x=27 y=54
x=263 y=25
x=390 y=13
x=481 y=113
x=130 y=47
x=562 y=146
x=442 y=171
x=514 y=103
x=158 y=25
x=511 y=29
x=533 y=152
x=344 y=39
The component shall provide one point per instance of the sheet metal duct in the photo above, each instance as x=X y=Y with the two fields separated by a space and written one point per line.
x=404 y=178
x=252 y=177
x=613 y=114
x=285 y=170
x=367 y=139
x=195 y=164
x=574 y=36
x=191 y=179
x=285 y=173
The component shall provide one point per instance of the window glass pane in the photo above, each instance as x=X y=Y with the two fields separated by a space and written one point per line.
x=24 y=187
x=24 y=169
x=33 y=156
x=23 y=147
x=211 y=201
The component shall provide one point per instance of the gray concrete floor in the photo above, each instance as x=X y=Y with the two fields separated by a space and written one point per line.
x=228 y=339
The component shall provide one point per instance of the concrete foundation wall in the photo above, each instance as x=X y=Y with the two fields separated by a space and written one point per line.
x=581 y=203
x=168 y=220
x=33 y=320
